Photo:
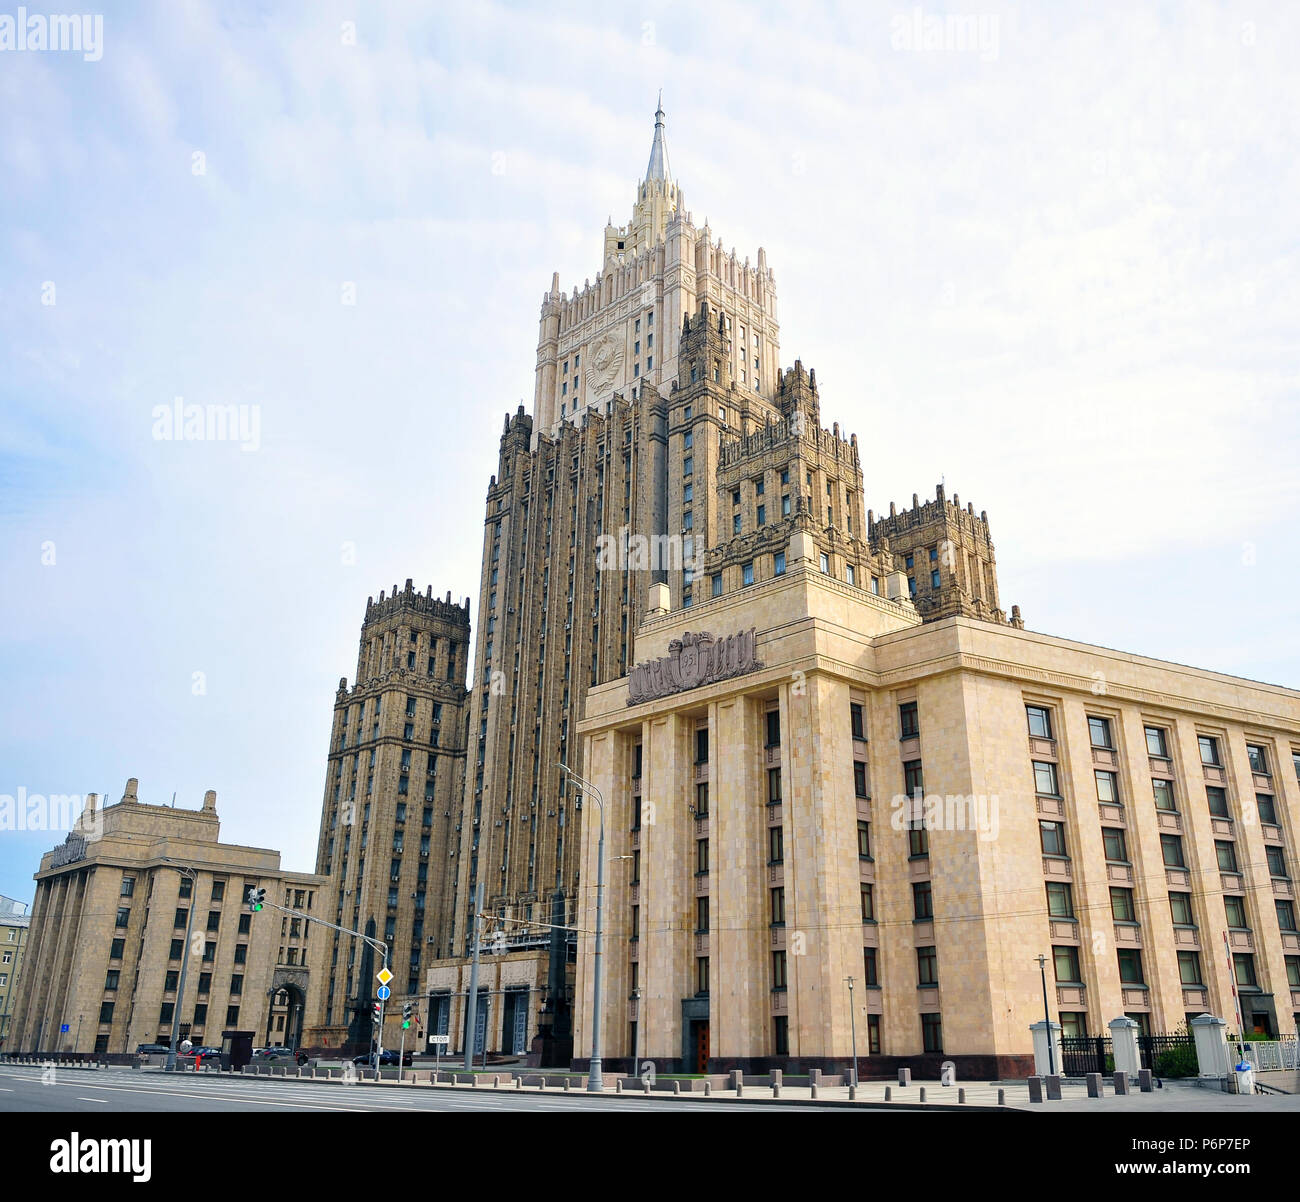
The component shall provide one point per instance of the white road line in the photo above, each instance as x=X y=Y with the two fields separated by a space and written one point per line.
x=103 y=1100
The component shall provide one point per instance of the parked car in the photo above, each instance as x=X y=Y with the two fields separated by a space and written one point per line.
x=152 y=1049
x=206 y=1052
x=272 y=1053
x=387 y=1059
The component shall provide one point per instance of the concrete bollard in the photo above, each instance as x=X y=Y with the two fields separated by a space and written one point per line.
x=961 y=1097
x=922 y=1093
x=1144 y=1080
x=853 y=1093
x=566 y=1084
x=496 y=1080
x=618 y=1085
x=519 y=1082
x=737 y=1082
x=776 y=1089
x=814 y=1076
x=1121 y=1083
x=708 y=1089
x=1035 y=1089
x=778 y=1077
x=1002 y=1097
x=888 y=1093
x=905 y=1076
x=1054 y=1087
x=677 y=1087
x=812 y=1086
x=1094 y=1085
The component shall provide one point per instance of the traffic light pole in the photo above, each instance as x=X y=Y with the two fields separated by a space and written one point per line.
x=185 y=965
x=257 y=900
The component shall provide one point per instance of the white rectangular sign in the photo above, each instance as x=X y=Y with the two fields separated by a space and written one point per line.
x=440 y=1039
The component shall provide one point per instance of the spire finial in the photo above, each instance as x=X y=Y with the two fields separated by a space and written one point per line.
x=658 y=166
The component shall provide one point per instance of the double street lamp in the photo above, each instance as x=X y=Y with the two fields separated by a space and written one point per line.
x=595 y=1082
x=185 y=871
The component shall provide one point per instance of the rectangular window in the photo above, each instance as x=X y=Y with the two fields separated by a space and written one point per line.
x=773 y=718
x=760 y=516
x=856 y=726
x=1276 y=859
x=1171 y=851
x=1209 y=749
x=778 y=970
x=781 y=1034
x=1285 y=914
x=1267 y=810
x=181 y=917
x=1180 y=909
x=1060 y=900
x=702 y=799
x=1045 y=778
x=1218 y=801
x=1226 y=855
x=1243 y=969
x=701 y=855
x=1121 y=905
x=1040 y=721
x=1113 y=845
x=1164 y=794
x=867 y=902
x=747 y=574
x=112 y=977
x=1234 y=909
x=106 y=1012
x=716 y=583
x=778 y=564
x=908 y=726
x=773 y=785
x=1189 y=968
x=128 y=886
x=1099 y=733
x=702 y=745
x=775 y=845
x=864 y=839
x=931 y=1033
x=1130 y=966
x=1258 y=758
x=913 y=778
x=701 y=975
x=922 y=900
x=1052 y=837
x=1107 y=786
x=870 y=972
x=1065 y=962
x=927 y=966
x=701 y=914
x=859 y=779
x=777 y=897
x=1157 y=746
x=918 y=842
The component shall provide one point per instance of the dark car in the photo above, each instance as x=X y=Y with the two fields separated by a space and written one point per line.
x=387 y=1059
x=152 y=1049
x=272 y=1053
x=205 y=1052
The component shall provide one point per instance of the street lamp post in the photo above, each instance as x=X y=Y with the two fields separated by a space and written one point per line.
x=185 y=962
x=1047 y=1018
x=595 y=1082
x=853 y=1032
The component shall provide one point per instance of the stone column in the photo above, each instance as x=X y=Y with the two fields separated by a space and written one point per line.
x=1044 y=1031
x=1123 y=1034
x=1211 y=1046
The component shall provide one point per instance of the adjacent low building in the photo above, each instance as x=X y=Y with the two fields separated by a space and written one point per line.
x=14 y=923
x=823 y=789
x=108 y=931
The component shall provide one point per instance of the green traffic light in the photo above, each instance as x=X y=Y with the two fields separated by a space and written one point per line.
x=406 y=1026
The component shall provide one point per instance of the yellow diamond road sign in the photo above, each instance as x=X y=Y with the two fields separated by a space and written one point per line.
x=384 y=976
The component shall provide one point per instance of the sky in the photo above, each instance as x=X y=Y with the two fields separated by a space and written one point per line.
x=1044 y=253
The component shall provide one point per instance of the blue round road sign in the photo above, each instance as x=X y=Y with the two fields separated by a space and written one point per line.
x=384 y=993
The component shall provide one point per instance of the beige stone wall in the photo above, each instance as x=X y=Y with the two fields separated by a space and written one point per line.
x=824 y=644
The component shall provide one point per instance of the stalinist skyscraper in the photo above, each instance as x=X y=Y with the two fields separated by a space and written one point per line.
x=666 y=447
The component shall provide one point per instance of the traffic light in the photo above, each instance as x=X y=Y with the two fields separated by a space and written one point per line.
x=374 y=1013
x=408 y=1008
x=255 y=899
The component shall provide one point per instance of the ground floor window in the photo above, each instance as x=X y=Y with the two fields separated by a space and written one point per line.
x=781 y=1034
x=873 y=1034
x=931 y=1033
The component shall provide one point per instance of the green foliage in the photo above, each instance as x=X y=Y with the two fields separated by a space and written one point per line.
x=1179 y=1061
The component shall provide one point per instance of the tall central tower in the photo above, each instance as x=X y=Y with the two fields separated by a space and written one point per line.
x=623 y=329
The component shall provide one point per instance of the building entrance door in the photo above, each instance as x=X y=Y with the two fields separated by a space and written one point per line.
x=701 y=1046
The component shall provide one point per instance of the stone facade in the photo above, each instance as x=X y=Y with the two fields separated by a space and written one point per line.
x=808 y=825
x=14 y=924
x=390 y=822
x=108 y=935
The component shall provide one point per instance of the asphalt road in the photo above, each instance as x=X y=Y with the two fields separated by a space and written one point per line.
x=22 y=1090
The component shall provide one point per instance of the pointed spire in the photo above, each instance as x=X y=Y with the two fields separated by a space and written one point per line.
x=658 y=167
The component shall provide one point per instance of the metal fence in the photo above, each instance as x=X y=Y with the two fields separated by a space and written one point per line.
x=1271 y=1056
x=1083 y=1054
